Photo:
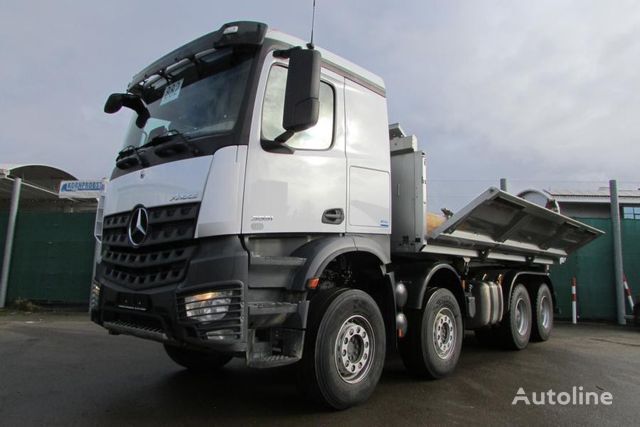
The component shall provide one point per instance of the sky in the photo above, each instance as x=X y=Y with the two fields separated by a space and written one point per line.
x=544 y=93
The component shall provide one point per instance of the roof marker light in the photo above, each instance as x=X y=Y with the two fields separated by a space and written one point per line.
x=230 y=30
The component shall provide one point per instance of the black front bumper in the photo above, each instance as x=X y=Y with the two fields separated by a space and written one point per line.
x=158 y=312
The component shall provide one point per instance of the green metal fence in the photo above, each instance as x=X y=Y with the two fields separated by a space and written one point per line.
x=53 y=261
x=592 y=266
x=52 y=258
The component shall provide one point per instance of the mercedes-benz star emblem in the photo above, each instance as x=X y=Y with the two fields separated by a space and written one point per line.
x=138 y=226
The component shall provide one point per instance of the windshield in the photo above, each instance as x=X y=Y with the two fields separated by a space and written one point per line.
x=195 y=98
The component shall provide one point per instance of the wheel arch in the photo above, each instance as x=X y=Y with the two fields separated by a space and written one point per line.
x=426 y=277
x=372 y=262
x=531 y=280
x=320 y=252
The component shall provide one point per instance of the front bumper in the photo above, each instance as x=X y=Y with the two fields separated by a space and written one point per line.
x=159 y=313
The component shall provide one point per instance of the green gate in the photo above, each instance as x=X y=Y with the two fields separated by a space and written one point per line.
x=592 y=266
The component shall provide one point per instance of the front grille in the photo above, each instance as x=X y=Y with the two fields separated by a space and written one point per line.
x=166 y=224
x=229 y=327
x=161 y=259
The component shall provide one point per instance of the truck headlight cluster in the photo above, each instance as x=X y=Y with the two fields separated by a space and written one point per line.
x=208 y=306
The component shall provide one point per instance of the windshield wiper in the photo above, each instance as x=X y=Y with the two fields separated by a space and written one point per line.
x=129 y=157
x=170 y=143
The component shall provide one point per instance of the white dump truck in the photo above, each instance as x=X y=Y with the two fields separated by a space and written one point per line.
x=262 y=208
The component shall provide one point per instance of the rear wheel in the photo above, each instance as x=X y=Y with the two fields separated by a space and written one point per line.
x=196 y=360
x=542 y=314
x=344 y=348
x=515 y=328
x=434 y=336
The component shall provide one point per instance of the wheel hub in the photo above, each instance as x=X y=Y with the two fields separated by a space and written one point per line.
x=444 y=333
x=522 y=320
x=545 y=308
x=354 y=349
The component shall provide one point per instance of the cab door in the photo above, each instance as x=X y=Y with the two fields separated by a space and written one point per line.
x=298 y=186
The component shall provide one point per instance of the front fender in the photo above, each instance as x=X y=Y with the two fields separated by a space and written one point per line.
x=320 y=252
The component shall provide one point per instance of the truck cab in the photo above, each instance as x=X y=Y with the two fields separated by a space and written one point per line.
x=249 y=214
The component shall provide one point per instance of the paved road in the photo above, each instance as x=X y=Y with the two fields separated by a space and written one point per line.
x=63 y=370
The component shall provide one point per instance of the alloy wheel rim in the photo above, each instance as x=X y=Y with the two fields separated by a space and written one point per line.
x=354 y=349
x=444 y=333
x=545 y=309
x=522 y=320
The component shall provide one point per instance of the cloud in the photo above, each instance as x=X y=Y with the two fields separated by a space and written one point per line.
x=540 y=91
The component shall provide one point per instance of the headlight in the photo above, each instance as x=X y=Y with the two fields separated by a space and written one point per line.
x=209 y=306
x=94 y=296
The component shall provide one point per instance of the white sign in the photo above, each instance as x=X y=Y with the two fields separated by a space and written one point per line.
x=81 y=189
x=171 y=92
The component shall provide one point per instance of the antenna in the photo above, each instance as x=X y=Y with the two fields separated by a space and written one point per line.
x=313 y=22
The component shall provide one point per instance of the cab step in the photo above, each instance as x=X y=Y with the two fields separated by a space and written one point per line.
x=271 y=361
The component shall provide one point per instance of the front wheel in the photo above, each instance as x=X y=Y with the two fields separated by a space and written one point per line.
x=196 y=360
x=434 y=337
x=344 y=348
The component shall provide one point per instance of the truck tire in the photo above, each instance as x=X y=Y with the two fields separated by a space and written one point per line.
x=196 y=360
x=515 y=328
x=542 y=314
x=434 y=337
x=344 y=348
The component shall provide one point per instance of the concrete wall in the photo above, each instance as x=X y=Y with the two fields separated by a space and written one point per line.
x=586 y=210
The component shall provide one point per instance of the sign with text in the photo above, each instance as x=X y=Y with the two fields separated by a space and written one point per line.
x=81 y=189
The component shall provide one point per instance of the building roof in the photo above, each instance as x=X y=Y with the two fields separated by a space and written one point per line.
x=39 y=189
x=600 y=195
x=41 y=181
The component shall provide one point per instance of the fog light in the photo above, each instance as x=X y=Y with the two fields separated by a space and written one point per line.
x=94 y=296
x=221 y=334
x=209 y=306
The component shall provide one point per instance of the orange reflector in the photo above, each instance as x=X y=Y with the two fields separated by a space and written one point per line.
x=400 y=333
x=313 y=282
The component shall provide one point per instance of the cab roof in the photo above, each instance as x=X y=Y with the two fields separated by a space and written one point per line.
x=254 y=33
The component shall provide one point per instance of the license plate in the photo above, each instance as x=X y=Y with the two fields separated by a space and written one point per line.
x=133 y=301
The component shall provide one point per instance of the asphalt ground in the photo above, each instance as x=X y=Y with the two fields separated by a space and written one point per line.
x=64 y=370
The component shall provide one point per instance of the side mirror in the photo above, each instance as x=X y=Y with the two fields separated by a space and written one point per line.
x=118 y=100
x=301 y=102
x=114 y=103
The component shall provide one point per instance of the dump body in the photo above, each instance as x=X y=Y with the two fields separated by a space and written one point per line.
x=500 y=226
x=496 y=226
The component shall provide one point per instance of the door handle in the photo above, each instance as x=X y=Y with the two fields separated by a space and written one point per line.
x=333 y=216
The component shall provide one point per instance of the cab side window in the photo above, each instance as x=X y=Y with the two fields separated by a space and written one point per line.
x=318 y=137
